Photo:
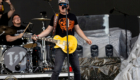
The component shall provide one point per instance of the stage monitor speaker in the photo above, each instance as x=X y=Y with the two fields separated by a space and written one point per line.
x=109 y=50
x=79 y=51
x=94 y=51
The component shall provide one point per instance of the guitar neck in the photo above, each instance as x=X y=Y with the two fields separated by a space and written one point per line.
x=48 y=39
x=43 y=38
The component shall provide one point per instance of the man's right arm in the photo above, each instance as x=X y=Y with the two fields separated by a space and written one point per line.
x=13 y=38
x=46 y=32
x=12 y=9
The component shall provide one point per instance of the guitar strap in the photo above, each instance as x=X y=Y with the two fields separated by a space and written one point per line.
x=55 y=23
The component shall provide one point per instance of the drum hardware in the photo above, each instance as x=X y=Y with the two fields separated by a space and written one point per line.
x=30 y=43
x=45 y=63
x=29 y=66
x=2 y=33
x=2 y=70
x=43 y=47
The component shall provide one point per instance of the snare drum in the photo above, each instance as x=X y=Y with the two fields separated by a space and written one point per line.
x=28 y=37
x=12 y=57
x=30 y=43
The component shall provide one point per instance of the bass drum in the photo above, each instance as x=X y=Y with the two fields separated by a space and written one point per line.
x=12 y=57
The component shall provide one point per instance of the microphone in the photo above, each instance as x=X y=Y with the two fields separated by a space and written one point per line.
x=63 y=7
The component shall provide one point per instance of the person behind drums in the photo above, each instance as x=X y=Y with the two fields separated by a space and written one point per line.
x=16 y=39
x=61 y=30
x=5 y=17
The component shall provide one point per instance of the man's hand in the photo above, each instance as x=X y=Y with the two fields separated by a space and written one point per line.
x=8 y=1
x=20 y=35
x=89 y=41
x=0 y=1
x=34 y=37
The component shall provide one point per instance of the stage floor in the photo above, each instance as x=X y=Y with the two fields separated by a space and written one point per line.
x=34 y=75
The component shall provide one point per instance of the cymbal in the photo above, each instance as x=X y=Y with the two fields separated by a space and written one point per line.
x=31 y=45
x=41 y=19
x=8 y=30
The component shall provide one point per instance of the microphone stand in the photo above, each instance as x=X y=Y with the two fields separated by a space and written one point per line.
x=125 y=15
x=51 y=6
x=67 y=42
x=48 y=56
x=2 y=33
x=125 y=27
x=125 y=33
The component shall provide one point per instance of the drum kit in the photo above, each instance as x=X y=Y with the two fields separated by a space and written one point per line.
x=29 y=57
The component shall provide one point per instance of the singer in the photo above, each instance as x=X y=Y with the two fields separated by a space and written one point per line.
x=61 y=30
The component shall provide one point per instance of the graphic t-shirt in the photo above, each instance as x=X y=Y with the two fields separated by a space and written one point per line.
x=61 y=24
x=18 y=41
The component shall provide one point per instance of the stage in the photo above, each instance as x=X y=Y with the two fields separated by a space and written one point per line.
x=46 y=75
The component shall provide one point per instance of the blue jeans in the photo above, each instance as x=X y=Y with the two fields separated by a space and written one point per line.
x=59 y=58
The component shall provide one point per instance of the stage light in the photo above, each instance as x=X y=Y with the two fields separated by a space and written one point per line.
x=94 y=50
x=109 y=50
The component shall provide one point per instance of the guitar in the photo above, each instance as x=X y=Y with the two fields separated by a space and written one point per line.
x=61 y=42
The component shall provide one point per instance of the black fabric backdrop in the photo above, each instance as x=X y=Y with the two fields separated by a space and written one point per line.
x=29 y=9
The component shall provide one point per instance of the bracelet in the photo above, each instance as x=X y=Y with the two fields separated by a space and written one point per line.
x=37 y=36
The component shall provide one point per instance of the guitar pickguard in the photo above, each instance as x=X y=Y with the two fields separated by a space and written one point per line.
x=61 y=44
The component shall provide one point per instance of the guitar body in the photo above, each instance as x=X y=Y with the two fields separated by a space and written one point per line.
x=62 y=43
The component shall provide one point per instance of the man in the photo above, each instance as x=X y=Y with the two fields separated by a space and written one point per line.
x=61 y=30
x=5 y=17
x=16 y=39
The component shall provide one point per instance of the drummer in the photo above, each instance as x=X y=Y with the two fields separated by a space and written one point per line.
x=16 y=39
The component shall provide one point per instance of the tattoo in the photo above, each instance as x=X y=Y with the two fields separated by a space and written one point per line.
x=12 y=7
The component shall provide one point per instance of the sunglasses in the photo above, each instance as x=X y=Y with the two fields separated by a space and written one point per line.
x=60 y=4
